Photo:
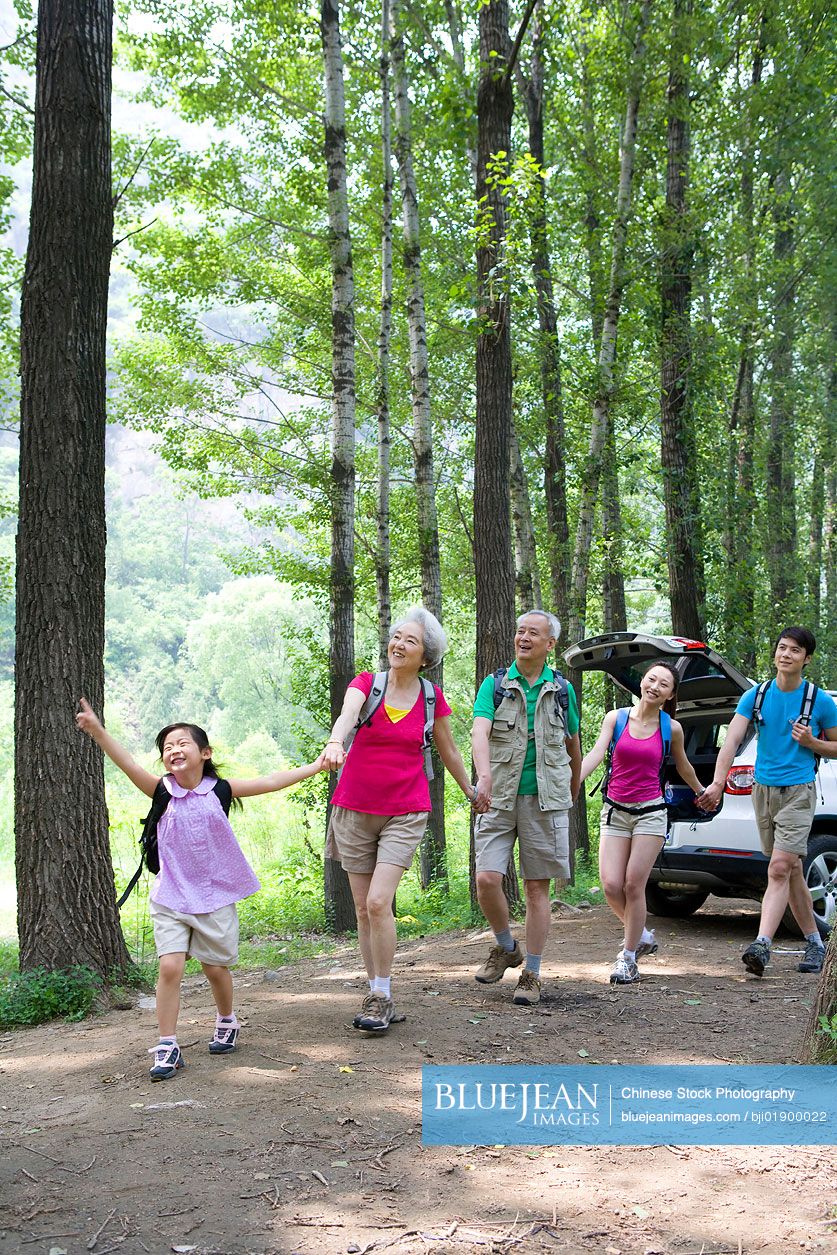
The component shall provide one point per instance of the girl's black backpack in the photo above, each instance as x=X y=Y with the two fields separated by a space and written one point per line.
x=150 y=856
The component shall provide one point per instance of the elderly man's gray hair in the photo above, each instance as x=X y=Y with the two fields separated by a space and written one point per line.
x=435 y=636
x=552 y=619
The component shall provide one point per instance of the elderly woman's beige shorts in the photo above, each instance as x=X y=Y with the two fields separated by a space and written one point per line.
x=619 y=823
x=361 y=841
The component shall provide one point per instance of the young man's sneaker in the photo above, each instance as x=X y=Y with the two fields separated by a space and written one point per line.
x=376 y=1014
x=495 y=965
x=625 y=971
x=167 y=1059
x=225 y=1039
x=756 y=957
x=813 y=958
x=528 y=991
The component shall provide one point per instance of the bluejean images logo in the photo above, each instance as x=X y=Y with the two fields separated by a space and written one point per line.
x=591 y=1105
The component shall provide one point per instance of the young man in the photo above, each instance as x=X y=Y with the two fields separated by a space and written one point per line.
x=527 y=756
x=784 y=793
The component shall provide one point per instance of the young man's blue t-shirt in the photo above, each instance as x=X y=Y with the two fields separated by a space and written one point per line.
x=780 y=760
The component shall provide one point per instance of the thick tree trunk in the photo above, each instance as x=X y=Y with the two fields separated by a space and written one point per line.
x=66 y=902
x=382 y=549
x=340 y=913
x=829 y=540
x=782 y=557
x=678 y=454
x=433 y=853
x=493 y=563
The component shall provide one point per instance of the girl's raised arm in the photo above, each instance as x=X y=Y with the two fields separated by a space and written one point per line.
x=276 y=780
x=595 y=756
x=87 y=721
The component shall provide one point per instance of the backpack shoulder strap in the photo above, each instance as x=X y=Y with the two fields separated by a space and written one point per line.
x=374 y=700
x=562 y=696
x=665 y=732
x=223 y=791
x=160 y=799
x=428 y=692
x=500 y=690
x=809 y=697
x=761 y=693
x=623 y=714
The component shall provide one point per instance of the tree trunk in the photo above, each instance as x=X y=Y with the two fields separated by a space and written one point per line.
x=527 y=577
x=677 y=446
x=382 y=549
x=433 y=852
x=615 y=614
x=340 y=913
x=829 y=541
x=739 y=594
x=607 y=353
x=493 y=563
x=549 y=355
x=782 y=558
x=66 y=902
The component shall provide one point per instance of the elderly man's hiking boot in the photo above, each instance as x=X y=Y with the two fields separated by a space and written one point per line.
x=497 y=962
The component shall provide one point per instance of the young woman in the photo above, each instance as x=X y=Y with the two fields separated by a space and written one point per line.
x=633 y=823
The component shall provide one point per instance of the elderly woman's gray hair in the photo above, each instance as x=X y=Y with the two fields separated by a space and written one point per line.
x=552 y=619
x=435 y=636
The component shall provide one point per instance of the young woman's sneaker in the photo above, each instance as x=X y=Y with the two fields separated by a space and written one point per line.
x=756 y=957
x=167 y=1059
x=224 y=1039
x=625 y=971
x=376 y=1014
x=647 y=947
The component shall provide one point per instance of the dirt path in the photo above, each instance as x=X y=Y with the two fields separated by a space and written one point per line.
x=308 y=1138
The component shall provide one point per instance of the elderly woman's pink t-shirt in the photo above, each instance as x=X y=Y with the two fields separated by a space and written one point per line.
x=384 y=769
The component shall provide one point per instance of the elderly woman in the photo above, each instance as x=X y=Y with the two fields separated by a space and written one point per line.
x=382 y=801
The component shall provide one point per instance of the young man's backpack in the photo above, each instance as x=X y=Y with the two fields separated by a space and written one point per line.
x=150 y=856
x=376 y=699
x=809 y=697
x=562 y=693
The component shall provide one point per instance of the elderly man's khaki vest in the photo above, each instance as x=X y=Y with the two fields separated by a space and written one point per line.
x=507 y=745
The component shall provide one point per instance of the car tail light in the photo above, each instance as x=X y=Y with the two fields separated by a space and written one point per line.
x=740 y=780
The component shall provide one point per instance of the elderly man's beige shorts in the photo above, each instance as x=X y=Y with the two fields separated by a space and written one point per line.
x=543 y=840
x=210 y=938
x=362 y=841
x=784 y=815
x=619 y=823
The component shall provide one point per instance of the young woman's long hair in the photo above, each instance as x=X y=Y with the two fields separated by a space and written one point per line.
x=670 y=705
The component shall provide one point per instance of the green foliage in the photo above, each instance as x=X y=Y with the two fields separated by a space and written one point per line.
x=39 y=995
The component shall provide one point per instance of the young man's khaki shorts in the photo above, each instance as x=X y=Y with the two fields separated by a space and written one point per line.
x=543 y=840
x=210 y=938
x=784 y=814
x=362 y=841
x=619 y=823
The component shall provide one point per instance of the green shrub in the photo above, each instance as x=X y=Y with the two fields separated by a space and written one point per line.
x=39 y=995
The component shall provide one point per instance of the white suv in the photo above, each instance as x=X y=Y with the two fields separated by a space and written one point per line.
x=721 y=854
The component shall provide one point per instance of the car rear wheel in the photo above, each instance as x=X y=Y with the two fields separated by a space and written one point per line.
x=820 y=867
x=674 y=903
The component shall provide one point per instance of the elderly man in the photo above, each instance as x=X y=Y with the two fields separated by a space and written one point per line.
x=527 y=755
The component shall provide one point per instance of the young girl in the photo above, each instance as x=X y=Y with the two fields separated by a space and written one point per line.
x=633 y=823
x=203 y=873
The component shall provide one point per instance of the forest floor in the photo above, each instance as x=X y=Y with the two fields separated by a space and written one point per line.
x=308 y=1138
